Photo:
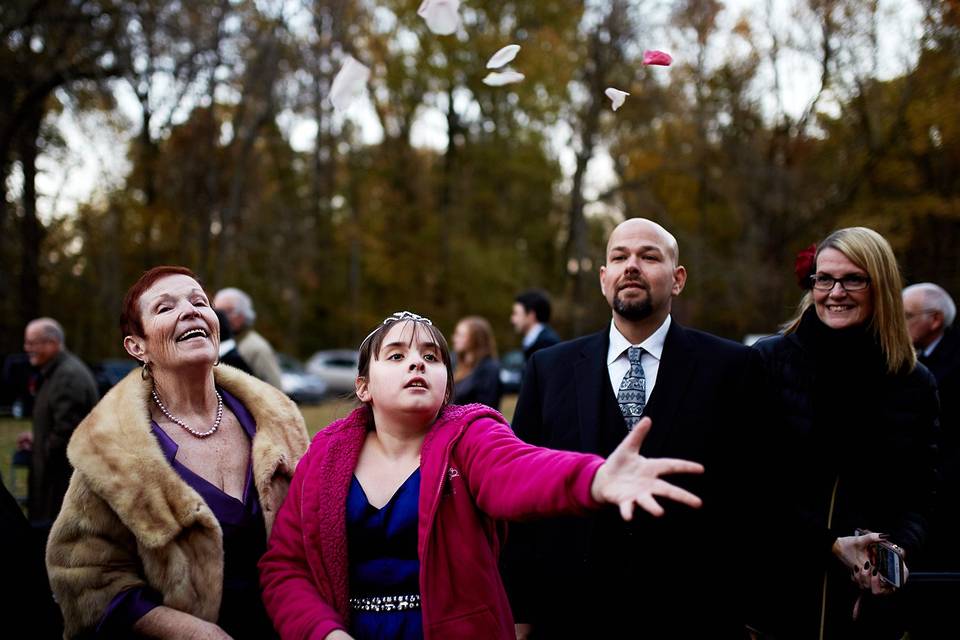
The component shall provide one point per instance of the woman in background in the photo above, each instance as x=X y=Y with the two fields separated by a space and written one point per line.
x=477 y=376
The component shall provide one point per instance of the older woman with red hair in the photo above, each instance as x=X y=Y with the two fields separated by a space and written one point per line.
x=179 y=472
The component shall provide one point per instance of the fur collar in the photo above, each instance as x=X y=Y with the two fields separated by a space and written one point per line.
x=120 y=458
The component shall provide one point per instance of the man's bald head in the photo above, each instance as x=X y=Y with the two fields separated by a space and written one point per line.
x=634 y=225
x=42 y=340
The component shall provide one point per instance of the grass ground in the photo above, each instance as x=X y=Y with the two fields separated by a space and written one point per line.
x=316 y=417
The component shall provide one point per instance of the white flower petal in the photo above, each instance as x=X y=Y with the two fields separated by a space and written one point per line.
x=616 y=96
x=500 y=78
x=504 y=56
x=349 y=83
x=442 y=16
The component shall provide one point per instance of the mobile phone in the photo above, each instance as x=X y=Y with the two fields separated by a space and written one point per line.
x=889 y=564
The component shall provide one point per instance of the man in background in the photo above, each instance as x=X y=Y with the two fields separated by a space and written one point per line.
x=252 y=346
x=65 y=394
x=930 y=313
x=530 y=318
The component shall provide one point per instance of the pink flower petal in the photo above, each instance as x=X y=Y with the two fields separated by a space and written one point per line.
x=660 y=58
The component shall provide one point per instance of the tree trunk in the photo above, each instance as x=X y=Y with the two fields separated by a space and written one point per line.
x=31 y=231
x=578 y=242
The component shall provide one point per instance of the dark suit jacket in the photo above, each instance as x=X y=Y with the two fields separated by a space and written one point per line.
x=942 y=551
x=546 y=338
x=671 y=577
x=944 y=364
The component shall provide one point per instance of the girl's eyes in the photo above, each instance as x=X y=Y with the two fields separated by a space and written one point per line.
x=429 y=357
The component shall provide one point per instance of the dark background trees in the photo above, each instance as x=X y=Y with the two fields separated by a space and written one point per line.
x=446 y=196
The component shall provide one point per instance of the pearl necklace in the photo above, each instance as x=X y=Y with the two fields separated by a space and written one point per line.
x=175 y=420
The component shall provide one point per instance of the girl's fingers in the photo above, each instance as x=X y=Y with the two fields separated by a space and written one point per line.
x=650 y=505
x=634 y=439
x=665 y=466
x=677 y=494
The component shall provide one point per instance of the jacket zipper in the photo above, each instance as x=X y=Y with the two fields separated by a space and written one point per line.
x=434 y=507
x=823 y=595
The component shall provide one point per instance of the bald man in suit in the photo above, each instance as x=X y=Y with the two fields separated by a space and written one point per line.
x=677 y=576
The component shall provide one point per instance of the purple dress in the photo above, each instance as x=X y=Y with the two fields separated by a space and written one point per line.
x=242 y=614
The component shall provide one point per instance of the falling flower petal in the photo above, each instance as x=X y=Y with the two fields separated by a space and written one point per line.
x=500 y=78
x=442 y=16
x=349 y=83
x=616 y=96
x=504 y=56
x=657 y=57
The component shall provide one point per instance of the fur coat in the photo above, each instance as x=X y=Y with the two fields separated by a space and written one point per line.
x=129 y=520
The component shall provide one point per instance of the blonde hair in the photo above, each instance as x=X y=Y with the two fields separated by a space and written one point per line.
x=480 y=344
x=871 y=252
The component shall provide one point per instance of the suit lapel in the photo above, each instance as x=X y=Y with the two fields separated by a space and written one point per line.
x=677 y=365
x=590 y=374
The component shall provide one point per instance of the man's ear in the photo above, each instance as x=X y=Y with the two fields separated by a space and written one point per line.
x=362 y=389
x=135 y=347
x=679 y=280
x=936 y=321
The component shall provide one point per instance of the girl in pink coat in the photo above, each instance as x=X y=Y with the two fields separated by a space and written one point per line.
x=394 y=519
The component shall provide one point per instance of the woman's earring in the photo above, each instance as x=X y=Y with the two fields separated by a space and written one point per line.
x=145 y=370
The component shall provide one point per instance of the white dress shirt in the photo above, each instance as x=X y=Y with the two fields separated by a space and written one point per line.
x=618 y=363
x=532 y=335
x=930 y=347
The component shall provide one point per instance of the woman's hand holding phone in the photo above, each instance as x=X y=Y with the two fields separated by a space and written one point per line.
x=873 y=561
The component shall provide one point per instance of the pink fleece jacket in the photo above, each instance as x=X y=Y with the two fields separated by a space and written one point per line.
x=475 y=474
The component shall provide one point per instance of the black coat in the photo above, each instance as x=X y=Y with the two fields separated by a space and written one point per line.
x=28 y=609
x=480 y=385
x=546 y=338
x=671 y=577
x=855 y=437
x=943 y=552
x=66 y=395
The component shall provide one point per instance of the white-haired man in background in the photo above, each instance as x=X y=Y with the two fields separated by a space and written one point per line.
x=252 y=346
x=930 y=315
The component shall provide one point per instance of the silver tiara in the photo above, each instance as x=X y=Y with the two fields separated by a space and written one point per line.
x=399 y=316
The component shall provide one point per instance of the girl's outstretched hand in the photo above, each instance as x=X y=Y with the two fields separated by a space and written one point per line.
x=626 y=478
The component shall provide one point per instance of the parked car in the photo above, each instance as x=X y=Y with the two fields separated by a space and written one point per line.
x=337 y=367
x=111 y=371
x=302 y=386
x=511 y=371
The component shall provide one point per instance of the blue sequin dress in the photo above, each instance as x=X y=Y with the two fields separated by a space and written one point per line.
x=383 y=560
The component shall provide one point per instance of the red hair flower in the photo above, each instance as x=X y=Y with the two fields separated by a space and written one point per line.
x=804 y=266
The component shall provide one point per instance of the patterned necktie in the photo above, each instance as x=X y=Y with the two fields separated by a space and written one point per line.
x=633 y=390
